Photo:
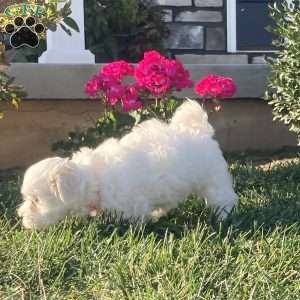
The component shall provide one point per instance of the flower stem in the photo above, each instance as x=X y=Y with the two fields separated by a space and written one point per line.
x=154 y=114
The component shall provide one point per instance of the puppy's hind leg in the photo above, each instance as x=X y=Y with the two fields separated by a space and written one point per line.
x=140 y=211
x=221 y=199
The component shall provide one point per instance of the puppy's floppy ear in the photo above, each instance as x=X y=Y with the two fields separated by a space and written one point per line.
x=66 y=181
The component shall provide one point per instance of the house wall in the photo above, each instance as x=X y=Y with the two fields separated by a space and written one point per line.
x=198 y=33
x=196 y=26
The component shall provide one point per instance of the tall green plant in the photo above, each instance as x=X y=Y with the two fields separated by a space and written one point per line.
x=10 y=93
x=284 y=82
x=123 y=29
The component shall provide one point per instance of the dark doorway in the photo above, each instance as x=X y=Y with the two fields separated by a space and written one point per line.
x=253 y=16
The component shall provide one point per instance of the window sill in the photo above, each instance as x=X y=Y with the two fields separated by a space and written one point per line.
x=66 y=81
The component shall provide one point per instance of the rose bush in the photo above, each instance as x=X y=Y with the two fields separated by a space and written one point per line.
x=154 y=78
x=131 y=94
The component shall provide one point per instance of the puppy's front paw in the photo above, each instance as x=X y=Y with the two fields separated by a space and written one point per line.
x=223 y=213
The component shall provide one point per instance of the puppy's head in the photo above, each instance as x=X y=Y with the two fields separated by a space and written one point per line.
x=51 y=189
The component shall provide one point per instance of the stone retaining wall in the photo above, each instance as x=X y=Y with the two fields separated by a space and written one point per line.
x=27 y=135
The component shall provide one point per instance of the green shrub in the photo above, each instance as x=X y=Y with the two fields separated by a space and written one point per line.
x=9 y=92
x=123 y=28
x=284 y=82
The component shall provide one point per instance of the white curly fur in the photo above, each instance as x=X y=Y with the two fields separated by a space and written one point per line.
x=153 y=168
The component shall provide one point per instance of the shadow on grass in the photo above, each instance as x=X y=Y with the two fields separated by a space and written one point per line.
x=269 y=199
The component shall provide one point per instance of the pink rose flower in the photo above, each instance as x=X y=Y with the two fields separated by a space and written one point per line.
x=216 y=86
x=159 y=75
x=118 y=70
x=92 y=87
x=179 y=77
x=106 y=81
x=228 y=87
x=153 y=63
x=157 y=83
x=131 y=100
x=152 y=55
x=114 y=93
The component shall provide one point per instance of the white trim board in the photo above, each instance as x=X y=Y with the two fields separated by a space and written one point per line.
x=231 y=27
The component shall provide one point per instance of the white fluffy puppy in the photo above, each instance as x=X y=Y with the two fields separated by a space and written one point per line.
x=155 y=166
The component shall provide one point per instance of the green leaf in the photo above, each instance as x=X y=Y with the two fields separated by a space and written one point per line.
x=15 y=103
x=52 y=26
x=137 y=116
x=65 y=29
x=71 y=23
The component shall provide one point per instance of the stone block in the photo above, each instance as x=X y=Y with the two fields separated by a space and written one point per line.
x=209 y=3
x=185 y=37
x=199 y=16
x=174 y=2
x=215 y=38
x=213 y=59
x=167 y=15
x=259 y=60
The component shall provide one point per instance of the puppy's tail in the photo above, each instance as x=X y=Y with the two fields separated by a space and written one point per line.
x=191 y=117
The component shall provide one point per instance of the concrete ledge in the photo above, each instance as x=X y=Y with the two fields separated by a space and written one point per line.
x=60 y=81
x=27 y=135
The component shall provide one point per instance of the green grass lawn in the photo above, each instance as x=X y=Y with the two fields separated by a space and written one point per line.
x=187 y=255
